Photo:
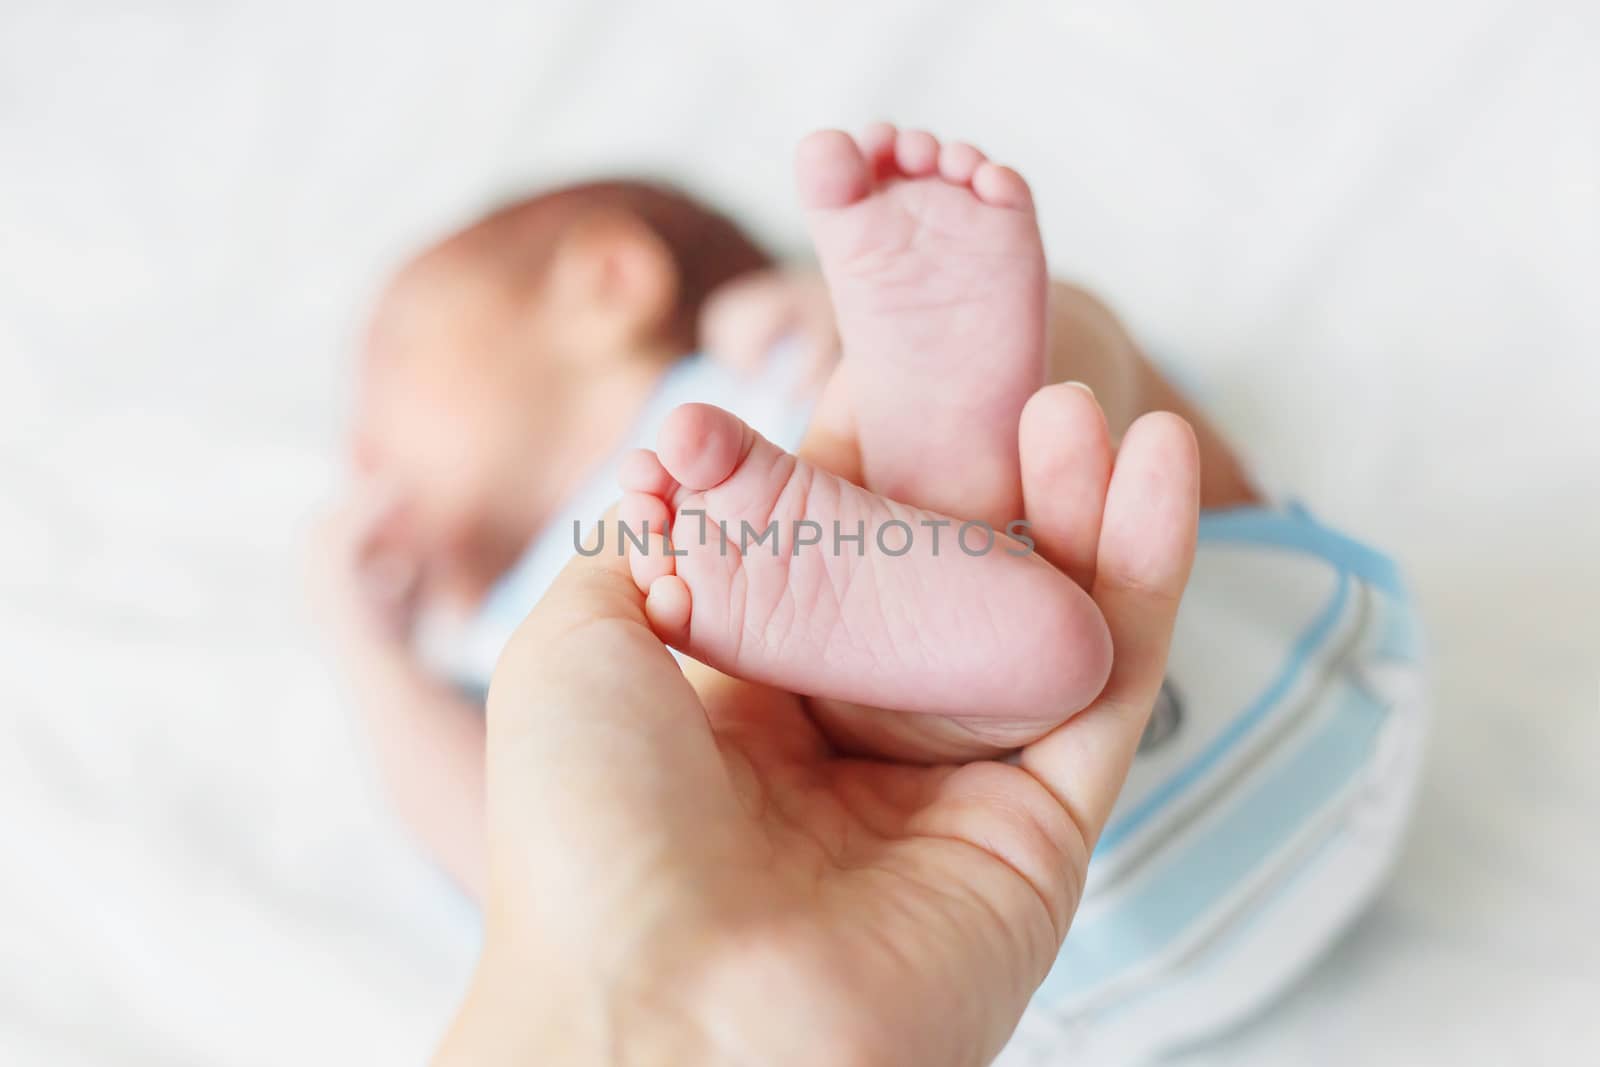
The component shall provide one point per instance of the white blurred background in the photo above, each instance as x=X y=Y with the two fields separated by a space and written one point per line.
x=1369 y=232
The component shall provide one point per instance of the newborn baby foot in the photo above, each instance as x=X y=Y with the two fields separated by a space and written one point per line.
x=934 y=263
x=784 y=574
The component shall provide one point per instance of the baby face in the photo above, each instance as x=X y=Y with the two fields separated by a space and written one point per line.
x=484 y=392
x=452 y=435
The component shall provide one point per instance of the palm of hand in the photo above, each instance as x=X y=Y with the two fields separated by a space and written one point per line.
x=918 y=891
x=869 y=896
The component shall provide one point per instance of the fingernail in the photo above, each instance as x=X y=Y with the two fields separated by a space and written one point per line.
x=1081 y=385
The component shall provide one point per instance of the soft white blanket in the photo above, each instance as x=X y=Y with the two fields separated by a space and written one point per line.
x=1368 y=229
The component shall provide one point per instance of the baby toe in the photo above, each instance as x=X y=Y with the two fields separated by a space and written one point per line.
x=640 y=471
x=701 y=445
x=958 y=161
x=1001 y=186
x=643 y=528
x=667 y=605
x=916 y=153
x=830 y=170
x=877 y=145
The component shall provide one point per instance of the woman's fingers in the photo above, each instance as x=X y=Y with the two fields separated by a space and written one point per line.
x=1066 y=468
x=599 y=753
x=1147 y=543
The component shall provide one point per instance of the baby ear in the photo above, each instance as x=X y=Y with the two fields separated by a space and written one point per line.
x=616 y=268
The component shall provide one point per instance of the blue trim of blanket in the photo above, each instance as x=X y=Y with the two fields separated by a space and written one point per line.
x=1220 y=857
x=1294 y=529
x=1300 y=655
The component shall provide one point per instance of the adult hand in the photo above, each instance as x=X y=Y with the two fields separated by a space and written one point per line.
x=684 y=869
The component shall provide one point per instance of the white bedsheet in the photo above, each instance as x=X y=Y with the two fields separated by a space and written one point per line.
x=1372 y=230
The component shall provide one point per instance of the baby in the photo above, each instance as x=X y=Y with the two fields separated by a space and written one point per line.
x=509 y=368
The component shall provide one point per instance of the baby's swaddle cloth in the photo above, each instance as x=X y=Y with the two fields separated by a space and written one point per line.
x=1266 y=804
x=1268 y=798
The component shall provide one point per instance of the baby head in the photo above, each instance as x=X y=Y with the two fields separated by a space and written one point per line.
x=505 y=361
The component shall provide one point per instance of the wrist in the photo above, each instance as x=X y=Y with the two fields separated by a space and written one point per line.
x=658 y=1005
x=518 y=1018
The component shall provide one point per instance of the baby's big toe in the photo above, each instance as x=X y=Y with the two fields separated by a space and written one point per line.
x=701 y=445
x=830 y=170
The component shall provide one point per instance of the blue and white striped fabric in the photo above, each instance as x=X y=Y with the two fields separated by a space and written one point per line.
x=1266 y=805
x=1267 y=800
